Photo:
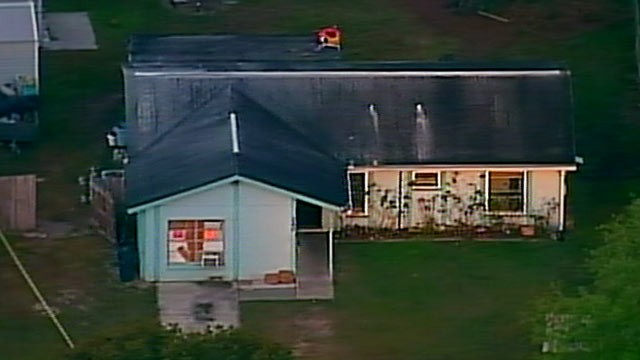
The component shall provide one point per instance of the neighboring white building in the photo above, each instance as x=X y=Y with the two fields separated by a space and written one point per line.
x=19 y=45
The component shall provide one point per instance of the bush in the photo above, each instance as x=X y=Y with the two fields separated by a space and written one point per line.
x=152 y=342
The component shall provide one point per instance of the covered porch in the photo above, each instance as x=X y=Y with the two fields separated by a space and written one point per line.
x=314 y=272
x=313 y=237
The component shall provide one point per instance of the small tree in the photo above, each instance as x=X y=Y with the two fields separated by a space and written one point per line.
x=602 y=322
x=153 y=342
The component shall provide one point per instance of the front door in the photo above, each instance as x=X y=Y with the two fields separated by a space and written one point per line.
x=308 y=216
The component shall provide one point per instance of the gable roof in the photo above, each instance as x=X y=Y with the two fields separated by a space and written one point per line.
x=200 y=151
x=489 y=117
x=302 y=122
x=18 y=22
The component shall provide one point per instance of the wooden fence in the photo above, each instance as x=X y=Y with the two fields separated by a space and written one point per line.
x=106 y=194
x=18 y=202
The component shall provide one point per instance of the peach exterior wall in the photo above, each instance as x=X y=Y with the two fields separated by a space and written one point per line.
x=424 y=205
x=545 y=195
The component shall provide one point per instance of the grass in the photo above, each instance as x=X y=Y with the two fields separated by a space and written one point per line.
x=404 y=301
x=78 y=278
x=423 y=300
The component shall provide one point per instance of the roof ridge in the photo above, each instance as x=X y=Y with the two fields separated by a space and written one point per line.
x=312 y=144
x=158 y=139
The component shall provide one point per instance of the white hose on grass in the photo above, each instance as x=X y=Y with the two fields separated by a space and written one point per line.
x=36 y=292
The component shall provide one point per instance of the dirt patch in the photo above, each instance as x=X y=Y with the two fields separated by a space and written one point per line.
x=313 y=328
x=59 y=229
x=548 y=21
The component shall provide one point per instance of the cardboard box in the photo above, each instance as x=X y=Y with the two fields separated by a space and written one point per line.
x=271 y=279
x=286 y=277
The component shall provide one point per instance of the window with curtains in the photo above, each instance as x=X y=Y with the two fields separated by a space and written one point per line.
x=506 y=191
x=196 y=242
x=357 y=193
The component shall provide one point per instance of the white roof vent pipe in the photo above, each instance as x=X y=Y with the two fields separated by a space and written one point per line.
x=233 y=119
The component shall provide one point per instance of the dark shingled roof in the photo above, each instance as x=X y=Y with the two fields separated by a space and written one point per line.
x=199 y=50
x=199 y=151
x=294 y=124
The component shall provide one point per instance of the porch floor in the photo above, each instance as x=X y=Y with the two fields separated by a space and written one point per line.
x=314 y=279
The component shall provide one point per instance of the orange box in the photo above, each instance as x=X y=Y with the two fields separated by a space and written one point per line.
x=527 y=230
x=271 y=279
x=286 y=277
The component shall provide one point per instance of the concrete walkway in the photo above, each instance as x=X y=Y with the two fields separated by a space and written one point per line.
x=314 y=281
x=196 y=306
x=69 y=31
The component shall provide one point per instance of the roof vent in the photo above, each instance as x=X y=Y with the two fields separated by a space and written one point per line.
x=375 y=119
x=422 y=137
x=233 y=119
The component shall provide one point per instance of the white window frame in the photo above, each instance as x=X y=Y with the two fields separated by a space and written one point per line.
x=525 y=193
x=418 y=186
x=199 y=263
x=350 y=212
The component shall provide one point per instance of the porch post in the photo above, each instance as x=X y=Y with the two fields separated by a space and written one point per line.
x=563 y=194
x=331 y=253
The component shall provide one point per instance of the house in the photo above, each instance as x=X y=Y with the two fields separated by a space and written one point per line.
x=19 y=64
x=39 y=13
x=18 y=43
x=239 y=147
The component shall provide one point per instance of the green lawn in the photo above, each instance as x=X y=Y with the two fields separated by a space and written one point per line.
x=423 y=300
x=78 y=277
x=394 y=300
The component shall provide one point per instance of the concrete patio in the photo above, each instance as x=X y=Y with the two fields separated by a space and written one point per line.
x=314 y=278
x=69 y=31
x=195 y=307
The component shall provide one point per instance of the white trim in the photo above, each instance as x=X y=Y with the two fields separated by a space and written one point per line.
x=17 y=3
x=177 y=196
x=354 y=73
x=331 y=254
x=290 y=193
x=196 y=264
x=426 y=187
x=228 y=181
x=366 y=197
x=454 y=167
x=525 y=194
x=487 y=187
x=233 y=118
x=36 y=49
x=563 y=194
x=294 y=235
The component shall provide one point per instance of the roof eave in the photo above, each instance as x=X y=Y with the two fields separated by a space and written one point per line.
x=136 y=208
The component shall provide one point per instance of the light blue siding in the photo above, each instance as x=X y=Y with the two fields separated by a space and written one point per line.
x=258 y=233
x=215 y=204
x=266 y=237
